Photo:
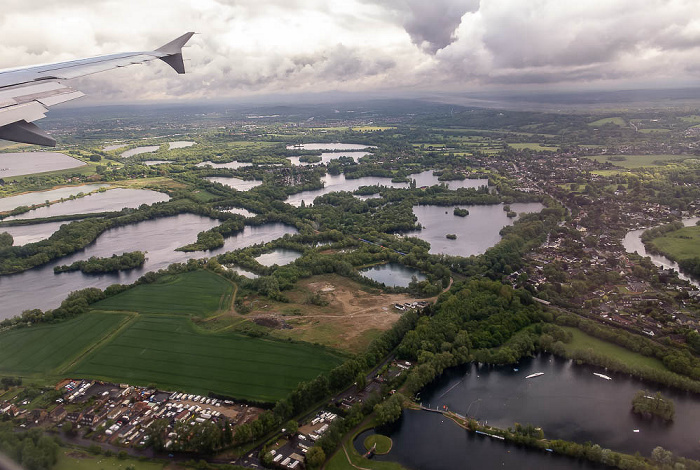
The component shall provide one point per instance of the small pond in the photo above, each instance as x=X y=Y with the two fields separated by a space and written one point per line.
x=279 y=256
x=235 y=183
x=140 y=150
x=392 y=274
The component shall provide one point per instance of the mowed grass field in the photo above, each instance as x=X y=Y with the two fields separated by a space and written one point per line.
x=639 y=161
x=680 y=244
x=170 y=352
x=71 y=459
x=42 y=349
x=533 y=146
x=582 y=341
x=157 y=342
x=198 y=293
x=611 y=120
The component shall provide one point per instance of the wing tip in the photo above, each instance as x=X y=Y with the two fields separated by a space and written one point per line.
x=175 y=46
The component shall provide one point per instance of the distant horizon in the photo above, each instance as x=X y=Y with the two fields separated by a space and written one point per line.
x=687 y=96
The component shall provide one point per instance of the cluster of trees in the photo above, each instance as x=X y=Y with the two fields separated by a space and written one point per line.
x=202 y=438
x=646 y=404
x=470 y=320
x=95 y=265
x=690 y=266
x=7 y=382
x=6 y=240
x=32 y=449
x=389 y=410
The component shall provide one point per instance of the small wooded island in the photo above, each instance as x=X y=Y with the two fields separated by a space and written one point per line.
x=648 y=405
x=95 y=265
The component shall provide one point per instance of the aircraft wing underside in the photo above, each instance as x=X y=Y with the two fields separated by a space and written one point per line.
x=26 y=93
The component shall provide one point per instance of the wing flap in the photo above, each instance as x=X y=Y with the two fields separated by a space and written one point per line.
x=60 y=98
x=22 y=112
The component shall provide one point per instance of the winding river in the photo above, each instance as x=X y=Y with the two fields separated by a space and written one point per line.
x=633 y=244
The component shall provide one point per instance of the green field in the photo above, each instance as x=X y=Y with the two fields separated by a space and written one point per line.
x=42 y=349
x=198 y=293
x=655 y=131
x=69 y=459
x=618 y=121
x=157 y=342
x=680 y=244
x=170 y=352
x=582 y=341
x=533 y=146
x=382 y=442
x=638 y=161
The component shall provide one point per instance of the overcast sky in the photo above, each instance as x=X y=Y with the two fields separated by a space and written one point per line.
x=257 y=47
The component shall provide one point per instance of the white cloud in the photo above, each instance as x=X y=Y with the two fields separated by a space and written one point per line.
x=276 y=46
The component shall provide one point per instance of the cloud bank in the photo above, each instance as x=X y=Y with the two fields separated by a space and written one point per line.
x=254 y=47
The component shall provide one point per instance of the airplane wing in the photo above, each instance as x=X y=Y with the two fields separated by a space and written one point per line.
x=27 y=92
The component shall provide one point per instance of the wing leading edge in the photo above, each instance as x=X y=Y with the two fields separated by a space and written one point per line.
x=26 y=93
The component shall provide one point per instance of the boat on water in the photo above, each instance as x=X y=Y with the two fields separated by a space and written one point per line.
x=602 y=376
x=536 y=374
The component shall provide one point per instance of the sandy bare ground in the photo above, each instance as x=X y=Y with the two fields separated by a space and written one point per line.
x=352 y=318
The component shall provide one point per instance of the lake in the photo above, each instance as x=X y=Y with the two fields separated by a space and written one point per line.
x=339 y=183
x=27 y=163
x=140 y=150
x=392 y=274
x=23 y=234
x=158 y=237
x=156 y=162
x=633 y=244
x=40 y=197
x=476 y=232
x=333 y=146
x=181 y=144
x=568 y=402
x=427 y=441
x=235 y=183
x=107 y=201
x=230 y=165
x=253 y=235
x=328 y=156
x=426 y=178
x=279 y=256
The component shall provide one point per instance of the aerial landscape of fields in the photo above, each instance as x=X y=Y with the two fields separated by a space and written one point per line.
x=251 y=295
x=400 y=235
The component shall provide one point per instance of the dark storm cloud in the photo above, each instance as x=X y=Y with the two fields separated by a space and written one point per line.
x=431 y=24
